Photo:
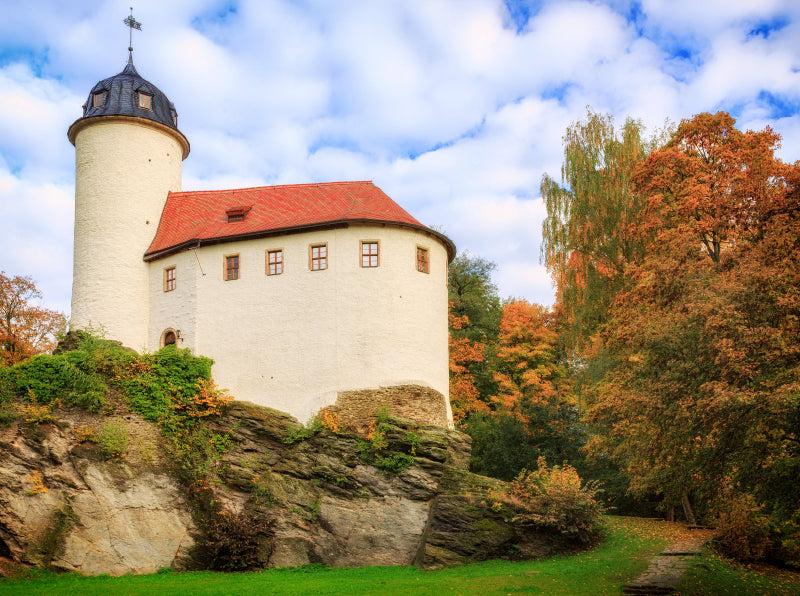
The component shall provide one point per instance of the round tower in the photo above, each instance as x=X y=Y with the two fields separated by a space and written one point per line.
x=128 y=154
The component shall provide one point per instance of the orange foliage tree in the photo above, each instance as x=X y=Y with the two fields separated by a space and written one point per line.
x=525 y=360
x=703 y=399
x=533 y=412
x=464 y=395
x=26 y=329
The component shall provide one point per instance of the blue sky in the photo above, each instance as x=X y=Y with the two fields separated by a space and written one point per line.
x=454 y=108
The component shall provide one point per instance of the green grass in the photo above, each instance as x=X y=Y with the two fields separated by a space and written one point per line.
x=629 y=545
x=713 y=575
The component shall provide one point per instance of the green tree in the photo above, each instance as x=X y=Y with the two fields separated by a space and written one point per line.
x=474 y=324
x=589 y=233
x=473 y=294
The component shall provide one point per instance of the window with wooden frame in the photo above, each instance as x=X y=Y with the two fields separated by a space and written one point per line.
x=318 y=257
x=423 y=260
x=231 y=267
x=99 y=99
x=275 y=262
x=370 y=255
x=169 y=279
x=145 y=101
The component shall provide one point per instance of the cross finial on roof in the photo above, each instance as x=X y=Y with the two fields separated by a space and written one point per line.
x=132 y=24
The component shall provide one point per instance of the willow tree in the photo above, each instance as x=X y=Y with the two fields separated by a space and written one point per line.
x=588 y=234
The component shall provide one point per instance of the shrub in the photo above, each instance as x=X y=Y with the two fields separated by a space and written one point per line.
x=554 y=499
x=743 y=530
x=377 y=451
x=788 y=551
x=64 y=377
x=195 y=450
x=235 y=541
x=43 y=376
x=301 y=433
x=113 y=439
x=165 y=382
x=208 y=400
x=330 y=420
x=34 y=414
x=37 y=483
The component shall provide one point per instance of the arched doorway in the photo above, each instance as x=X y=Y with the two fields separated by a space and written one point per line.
x=169 y=338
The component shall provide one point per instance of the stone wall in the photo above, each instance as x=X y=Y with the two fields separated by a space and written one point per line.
x=412 y=402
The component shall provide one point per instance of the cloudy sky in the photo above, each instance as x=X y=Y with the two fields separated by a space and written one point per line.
x=455 y=108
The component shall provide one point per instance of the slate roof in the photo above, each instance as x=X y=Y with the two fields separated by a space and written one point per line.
x=197 y=218
x=122 y=99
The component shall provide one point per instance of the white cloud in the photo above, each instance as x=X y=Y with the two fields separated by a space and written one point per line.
x=440 y=102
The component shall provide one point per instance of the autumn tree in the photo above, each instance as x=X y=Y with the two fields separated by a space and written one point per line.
x=465 y=398
x=588 y=235
x=533 y=414
x=474 y=323
x=703 y=399
x=26 y=328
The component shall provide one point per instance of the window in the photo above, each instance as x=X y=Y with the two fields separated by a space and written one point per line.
x=169 y=279
x=369 y=254
x=236 y=213
x=318 y=257
x=423 y=260
x=231 y=267
x=274 y=262
x=145 y=101
x=99 y=99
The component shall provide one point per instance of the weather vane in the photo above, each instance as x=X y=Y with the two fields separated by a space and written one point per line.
x=132 y=24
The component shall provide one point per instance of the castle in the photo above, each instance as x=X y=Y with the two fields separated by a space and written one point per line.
x=306 y=296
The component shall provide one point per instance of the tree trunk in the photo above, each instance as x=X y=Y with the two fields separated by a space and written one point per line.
x=687 y=510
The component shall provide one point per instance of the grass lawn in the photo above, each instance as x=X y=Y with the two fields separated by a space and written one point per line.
x=712 y=574
x=626 y=551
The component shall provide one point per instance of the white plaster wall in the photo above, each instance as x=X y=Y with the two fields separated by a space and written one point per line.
x=177 y=309
x=294 y=340
x=123 y=172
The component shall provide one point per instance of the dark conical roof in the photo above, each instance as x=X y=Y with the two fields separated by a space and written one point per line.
x=120 y=97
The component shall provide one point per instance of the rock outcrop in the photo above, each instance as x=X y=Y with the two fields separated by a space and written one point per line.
x=62 y=504
x=333 y=499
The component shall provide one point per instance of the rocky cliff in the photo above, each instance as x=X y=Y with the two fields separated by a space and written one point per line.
x=400 y=495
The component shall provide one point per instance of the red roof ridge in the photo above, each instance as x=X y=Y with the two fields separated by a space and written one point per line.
x=295 y=185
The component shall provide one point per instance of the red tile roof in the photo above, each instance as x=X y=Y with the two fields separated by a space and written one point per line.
x=199 y=217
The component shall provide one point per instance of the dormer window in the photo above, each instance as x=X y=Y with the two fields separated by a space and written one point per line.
x=99 y=99
x=145 y=101
x=235 y=214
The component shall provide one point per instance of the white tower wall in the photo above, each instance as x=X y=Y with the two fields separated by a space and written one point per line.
x=124 y=169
